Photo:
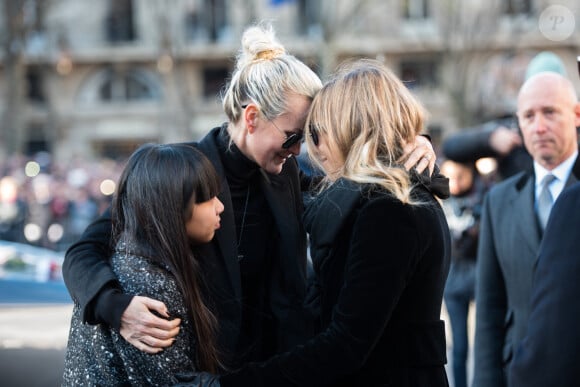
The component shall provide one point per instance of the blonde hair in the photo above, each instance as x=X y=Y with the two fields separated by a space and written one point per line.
x=265 y=74
x=367 y=116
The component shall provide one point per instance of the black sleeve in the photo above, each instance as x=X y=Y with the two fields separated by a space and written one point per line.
x=109 y=305
x=87 y=272
x=470 y=144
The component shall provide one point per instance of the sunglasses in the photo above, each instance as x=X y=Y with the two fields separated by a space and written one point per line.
x=314 y=134
x=291 y=137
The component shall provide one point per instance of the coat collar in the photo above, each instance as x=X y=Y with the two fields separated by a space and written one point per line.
x=279 y=195
x=523 y=202
x=529 y=174
x=326 y=214
x=226 y=235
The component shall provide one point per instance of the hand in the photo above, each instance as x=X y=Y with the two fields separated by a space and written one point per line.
x=503 y=140
x=144 y=330
x=420 y=155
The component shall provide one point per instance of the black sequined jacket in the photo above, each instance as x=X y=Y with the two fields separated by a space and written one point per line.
x=98 y=355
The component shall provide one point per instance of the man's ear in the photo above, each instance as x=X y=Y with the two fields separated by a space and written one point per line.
x=251 y=115
x=577 y=114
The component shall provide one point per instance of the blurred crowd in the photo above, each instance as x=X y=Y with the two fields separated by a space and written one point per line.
x=48 y=203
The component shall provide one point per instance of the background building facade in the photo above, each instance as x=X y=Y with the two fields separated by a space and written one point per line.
x=93 y=79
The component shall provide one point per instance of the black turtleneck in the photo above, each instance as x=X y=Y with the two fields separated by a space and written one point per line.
x=255 y=241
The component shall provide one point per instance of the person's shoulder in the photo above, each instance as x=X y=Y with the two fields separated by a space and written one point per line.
x=375 y=200
x=570 y=197
x=386 y=212
x=515 y=181
x=573 y=190
x=209 y=138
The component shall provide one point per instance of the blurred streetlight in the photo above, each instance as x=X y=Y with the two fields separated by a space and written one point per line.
x=486 y=165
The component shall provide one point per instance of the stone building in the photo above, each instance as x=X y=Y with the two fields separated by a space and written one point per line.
x=97 y=78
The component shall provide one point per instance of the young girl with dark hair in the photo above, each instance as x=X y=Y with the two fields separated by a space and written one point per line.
x=165 y=206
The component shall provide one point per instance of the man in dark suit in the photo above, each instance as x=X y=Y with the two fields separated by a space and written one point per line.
x=510 y=235
x=548 y=355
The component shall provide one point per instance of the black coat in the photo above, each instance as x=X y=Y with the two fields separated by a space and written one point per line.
x=548 y=355
x=381 y=268
x=86 y=270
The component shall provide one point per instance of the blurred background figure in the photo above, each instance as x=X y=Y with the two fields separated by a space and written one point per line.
x=12 y=210
x=83 y=209
x=462 y=210
x=500 y=138
x=47 y=203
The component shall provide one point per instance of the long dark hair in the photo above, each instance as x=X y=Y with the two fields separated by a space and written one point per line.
x=156 y=193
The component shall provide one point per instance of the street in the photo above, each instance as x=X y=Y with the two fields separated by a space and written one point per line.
x=34 y=323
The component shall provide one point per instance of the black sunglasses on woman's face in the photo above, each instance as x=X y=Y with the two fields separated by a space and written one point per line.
x=291 y=137
x=314 y=134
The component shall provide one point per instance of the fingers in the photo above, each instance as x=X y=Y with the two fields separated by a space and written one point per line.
x=155 y=305
x=145 y=330
x=432 y=163
x=150 y=340
x=142 y=346
x=420 y=157
x=411 y=157
x=423 y=164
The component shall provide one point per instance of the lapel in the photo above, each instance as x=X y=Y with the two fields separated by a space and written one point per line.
x=575 y=175
x=527 y=228
x=326 y=215
x=225 y=237
x=523 y=202
x=279 y=195
x=573 y=178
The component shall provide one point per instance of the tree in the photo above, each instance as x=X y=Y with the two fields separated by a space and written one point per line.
x=12 y=123
x=472 y=36
x=22 y=21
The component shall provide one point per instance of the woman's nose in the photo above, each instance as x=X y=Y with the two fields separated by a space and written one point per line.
x=295 y=149
x=219 y=206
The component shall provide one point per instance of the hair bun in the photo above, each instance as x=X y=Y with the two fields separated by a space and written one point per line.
x=259 y=43
x=269 y=54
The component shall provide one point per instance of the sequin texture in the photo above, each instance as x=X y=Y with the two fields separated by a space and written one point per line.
x=99 y=356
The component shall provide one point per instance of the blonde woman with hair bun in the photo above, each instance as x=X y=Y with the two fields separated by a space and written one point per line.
x=257 y=259
x=380 y=245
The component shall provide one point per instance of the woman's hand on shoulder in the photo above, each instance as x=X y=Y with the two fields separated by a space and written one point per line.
x=419 y=155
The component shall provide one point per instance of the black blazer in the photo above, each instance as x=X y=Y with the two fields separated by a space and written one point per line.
x=381 y=268
x=86 y=270
x=548 y=355
x=509 y=240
